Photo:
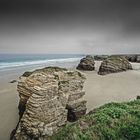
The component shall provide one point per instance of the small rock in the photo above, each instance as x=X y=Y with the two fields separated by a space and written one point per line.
x=13 y=81
x=138 y=97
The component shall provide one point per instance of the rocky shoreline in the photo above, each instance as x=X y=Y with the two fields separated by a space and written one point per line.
x=129 y=57
x=53 y=96
x=110 y=64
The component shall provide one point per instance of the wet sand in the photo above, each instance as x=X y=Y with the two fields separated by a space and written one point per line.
x=116 y=87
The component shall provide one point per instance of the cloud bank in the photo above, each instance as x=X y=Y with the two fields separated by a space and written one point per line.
x=69 y=26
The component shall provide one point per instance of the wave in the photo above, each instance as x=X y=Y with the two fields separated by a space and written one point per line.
x=5 y=65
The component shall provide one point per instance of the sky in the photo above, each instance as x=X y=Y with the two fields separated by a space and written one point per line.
x=70 y=26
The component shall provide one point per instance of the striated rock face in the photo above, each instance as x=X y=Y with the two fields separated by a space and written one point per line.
x=114 y=64
x=49 y=98
x=86 y=63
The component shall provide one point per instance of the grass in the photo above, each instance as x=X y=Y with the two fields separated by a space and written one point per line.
x=113 y=121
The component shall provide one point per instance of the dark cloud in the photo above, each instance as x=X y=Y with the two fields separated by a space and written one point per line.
x=91 y=7
x=102 y=12
x=101 y=23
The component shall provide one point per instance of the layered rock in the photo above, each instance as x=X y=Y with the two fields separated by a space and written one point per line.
x=114 y=64
x=86 y=63
x=49 y=98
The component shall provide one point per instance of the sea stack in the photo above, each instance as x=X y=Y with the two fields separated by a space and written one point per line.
x=114 y=64
x=49 y=97
x=86 y=63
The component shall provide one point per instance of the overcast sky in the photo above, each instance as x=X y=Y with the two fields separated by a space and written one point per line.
x=70 y=26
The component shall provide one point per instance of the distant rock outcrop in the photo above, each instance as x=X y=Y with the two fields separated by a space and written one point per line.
x=138 y=58
x=133 y=58
x=86 y=63
x=100 y=57
x=114 y=64
x=49 y=98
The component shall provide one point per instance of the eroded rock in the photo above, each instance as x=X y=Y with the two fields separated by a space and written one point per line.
x=114 y=64
x=86 y=63
x=49 y=98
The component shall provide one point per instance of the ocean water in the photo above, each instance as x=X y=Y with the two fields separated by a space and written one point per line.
x=14 y=61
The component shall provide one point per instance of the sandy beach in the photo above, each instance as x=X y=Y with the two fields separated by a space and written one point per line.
x=8 y=108
x=116 y=87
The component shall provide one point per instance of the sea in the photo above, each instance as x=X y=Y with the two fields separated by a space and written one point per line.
x=15 y=61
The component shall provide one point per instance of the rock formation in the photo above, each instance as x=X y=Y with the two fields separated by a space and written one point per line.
x=138 y=58
x=132 y=58
x=114 y=64
x=49 y=98
x=100 y=57
x=86 y=63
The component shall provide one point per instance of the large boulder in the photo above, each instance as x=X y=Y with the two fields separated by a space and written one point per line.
x=114 y=64
x=86 y=63
x=49 y=98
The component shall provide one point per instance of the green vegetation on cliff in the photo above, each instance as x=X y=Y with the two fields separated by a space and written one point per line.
x=113 y=121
